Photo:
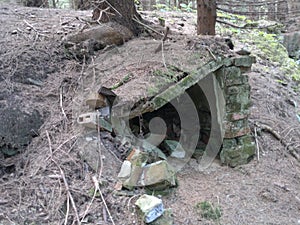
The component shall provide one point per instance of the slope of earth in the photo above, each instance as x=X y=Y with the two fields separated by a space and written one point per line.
x=50 y=184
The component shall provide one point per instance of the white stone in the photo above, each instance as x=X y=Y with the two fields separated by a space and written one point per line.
x=179 y=153
x=151 y=207
x=125 y=171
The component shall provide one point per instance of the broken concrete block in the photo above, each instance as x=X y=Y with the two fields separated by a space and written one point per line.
x=104 y=112
x=138 y=157
x=125 y=170
x=104 y=124
x=158 y=176
x=175 y=149
x=238 y=155
x=92 y=120
x=135 y=176
x=153 y=150
x=96 y=100
x=165 y=219
x=244 y=61
x=88 y=120
x=155 y=176
x=150 y=207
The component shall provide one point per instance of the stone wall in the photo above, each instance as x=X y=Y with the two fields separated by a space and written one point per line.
x=238 y=145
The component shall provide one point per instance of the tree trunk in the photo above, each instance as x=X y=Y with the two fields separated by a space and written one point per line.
x=271 y=11
x=254 y=11
x=206 y=17
x=122 y=12
x=283 y=11
x=36 y=3
x=82 y=4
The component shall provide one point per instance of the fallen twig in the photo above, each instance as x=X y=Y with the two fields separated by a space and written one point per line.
x=97 y=188
x=245 y=26
x=61 y=103
x=278 y=137
x=64 y=179
x=146 y=26
x=89 y=206
x=295 y=154
x=210 y=52
x=68 y=192
x=113 y=8
x=270 y=130
x=32 y=27
x=59 y=147
x=50 y=145
x=68 y=210
x=256 y=141
x=99 y=148
x=160 y=46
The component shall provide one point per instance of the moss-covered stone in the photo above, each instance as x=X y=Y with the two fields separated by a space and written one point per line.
x=245 y=140
x=242 y=79
x=232 y=72
x=165 y=219
x=232 y=107
x=239 y=89
x=236 y=103
x=231 y=133
x=229 y=143
x=228 y=62
x=237 y=115
x=244 y=61
x=220 y=77
x=240 y=154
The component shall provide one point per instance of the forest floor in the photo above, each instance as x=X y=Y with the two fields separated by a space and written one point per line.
x=39 y=185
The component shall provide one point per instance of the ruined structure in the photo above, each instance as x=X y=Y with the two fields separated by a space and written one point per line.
x=194 y=93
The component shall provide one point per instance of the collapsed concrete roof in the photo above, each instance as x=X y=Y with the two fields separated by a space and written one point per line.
x=145 y=81
x=141 y=78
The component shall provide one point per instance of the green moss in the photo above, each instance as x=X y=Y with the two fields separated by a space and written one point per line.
x=265 y=44
x=124 y=80
x=209 y=211
x=232 y=17
x=268 y=47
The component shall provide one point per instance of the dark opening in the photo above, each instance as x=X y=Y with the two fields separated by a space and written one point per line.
x=140 y=125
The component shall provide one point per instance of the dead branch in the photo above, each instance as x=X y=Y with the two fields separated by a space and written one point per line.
x=89 y=205
x=275 y=134
x=160 y=46
x=97 y=188
x=295 y=154
x=146 y=26
x=33 y=28
x=230 y=24
x=245 y=26
x=99 y=149
x=61 y=103
x=249 y=3
x=255 y=12
x=113 y=8
x=257 y=145
x=67 y=211
x=64 y=179
x=210 y=53
x=270 y=130
x=68 y=191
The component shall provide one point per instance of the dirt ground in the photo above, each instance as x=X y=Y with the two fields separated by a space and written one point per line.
x=49 y=183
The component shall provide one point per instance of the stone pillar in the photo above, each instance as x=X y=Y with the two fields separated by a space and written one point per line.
x=238 y=145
